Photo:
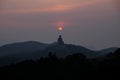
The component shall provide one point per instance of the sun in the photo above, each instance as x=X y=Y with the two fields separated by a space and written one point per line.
x=60 y=28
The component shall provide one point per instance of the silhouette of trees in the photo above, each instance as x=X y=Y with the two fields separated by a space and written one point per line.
x=78 y=57
x=72 y=67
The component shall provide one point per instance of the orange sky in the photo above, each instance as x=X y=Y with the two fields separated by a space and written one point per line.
x=37 y=6
x=91 y=23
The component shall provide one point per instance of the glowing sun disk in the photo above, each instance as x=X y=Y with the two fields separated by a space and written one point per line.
x=60 y=28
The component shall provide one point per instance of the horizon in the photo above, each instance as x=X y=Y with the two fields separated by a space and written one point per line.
x=64 y=43
x=94 y=24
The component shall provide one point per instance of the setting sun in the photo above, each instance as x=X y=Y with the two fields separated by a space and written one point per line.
x=60 y=28
x=60 y=25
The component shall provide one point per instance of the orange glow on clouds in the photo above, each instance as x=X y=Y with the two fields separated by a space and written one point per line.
x=38 y=6
x=59 y=24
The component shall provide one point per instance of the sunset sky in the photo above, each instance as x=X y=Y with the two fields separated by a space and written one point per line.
x=94 y=24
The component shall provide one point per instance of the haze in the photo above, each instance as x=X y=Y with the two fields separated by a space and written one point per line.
x=94 y=24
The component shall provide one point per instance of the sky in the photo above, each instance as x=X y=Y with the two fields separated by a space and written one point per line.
x=94 y=24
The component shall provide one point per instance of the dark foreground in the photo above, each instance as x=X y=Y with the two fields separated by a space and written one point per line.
x=72 y=67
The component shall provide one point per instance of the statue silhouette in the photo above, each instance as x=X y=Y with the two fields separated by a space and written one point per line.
x=60 y=40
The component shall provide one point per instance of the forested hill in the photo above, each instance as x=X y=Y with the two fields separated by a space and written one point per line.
x=72 y=67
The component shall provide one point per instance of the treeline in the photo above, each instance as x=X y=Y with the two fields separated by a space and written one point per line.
x=72 y=67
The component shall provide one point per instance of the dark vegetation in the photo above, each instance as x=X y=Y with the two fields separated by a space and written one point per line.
x=72 y=67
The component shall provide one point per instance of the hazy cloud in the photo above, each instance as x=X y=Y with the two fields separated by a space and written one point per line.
x=91 y=23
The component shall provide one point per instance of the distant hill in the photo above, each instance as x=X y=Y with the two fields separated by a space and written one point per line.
x=108 y=50
x=30 y=46
x=67 y=49
x=17 y=52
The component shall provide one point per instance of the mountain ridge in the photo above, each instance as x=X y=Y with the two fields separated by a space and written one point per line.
x=34 y=50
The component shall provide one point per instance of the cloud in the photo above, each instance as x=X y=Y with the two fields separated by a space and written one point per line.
x=25 y=8
x=87 y=21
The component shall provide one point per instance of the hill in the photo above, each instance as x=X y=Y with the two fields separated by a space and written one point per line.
x=16 y=52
